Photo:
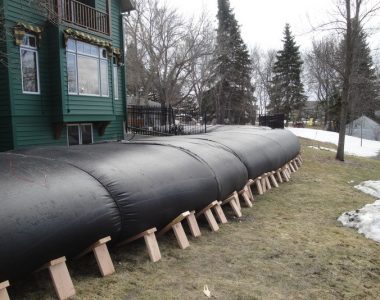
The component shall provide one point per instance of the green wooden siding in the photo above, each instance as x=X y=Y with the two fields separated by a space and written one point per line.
x=33 y=116
x=6 y=134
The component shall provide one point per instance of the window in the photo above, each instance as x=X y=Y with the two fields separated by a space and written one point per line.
x=29 y=65
x=79 y=134
x=115 y=73
x=87 y=69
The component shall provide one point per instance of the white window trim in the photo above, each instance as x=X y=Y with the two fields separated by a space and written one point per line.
x=76 y=72
x=35 y=50
x=78 y=125
x=100 y=59
x=100 y=77
x=115 y=80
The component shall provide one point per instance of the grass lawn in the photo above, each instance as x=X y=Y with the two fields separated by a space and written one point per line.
x=288 y=246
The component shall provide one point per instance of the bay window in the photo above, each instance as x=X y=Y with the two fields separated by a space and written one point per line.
x=87 y=69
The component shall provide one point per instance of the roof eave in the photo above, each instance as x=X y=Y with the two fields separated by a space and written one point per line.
x=126 y=6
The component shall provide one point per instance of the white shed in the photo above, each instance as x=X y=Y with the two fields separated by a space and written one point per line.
x=364 y=127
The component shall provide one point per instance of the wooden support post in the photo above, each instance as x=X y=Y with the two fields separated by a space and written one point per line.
x=252 y=198
x=279 y=177
x=292 y=167
x=60 y=277
x=273 y=179
x=150 y=242
x=102 y=256
x=209 y=216
x=246 y=193
x=180 y=235
x=177 y=227
x=269 y=186
x=297 y=163
x=3 y=290
x=300 y=158
x=193 y=225
x=233 y=203
x=220 y=213
x=263 y=183
x=259 y=187
x=288 y=171
x=285 y=174
x=152 y=245
x=237 y=199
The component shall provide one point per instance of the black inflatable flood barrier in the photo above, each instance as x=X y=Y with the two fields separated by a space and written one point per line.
x=57 y=201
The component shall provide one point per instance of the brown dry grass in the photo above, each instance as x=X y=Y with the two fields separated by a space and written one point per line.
x=289 y=246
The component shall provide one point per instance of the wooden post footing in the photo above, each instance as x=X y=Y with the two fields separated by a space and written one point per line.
x=291 y=167
x=220 y=213
x=3 y=290
x=233 y=202
x=152 y=245
x=209 y=216
x=269 y=186
x=285 y=174
x=102 y=256
x=263 y=184
x=273 y=179
x=279 y=177
x=247 y=195
x=193 y=225
x=177 y=228
x=60 y=277
x=150 y=242
x=257 y=182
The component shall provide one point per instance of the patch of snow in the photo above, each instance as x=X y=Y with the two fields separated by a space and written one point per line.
x=352 y=144
x=367 y=219
x=322 y=148
x=370 y=187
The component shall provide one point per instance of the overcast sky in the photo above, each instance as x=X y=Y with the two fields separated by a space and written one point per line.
x=262 y=21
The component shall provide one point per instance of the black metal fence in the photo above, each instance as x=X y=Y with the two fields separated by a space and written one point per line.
x=272 y=121
x=161 y=121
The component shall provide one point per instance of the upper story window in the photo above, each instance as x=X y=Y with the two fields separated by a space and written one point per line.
x=87 y=69
x=29 y=65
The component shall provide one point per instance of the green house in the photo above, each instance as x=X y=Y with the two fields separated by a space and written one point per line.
x=61 y=72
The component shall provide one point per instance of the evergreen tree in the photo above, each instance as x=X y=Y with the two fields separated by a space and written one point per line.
x=232 y=92
x=287 y=92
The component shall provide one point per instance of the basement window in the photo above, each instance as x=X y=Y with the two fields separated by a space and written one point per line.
x=79 y=134
x=29 y=65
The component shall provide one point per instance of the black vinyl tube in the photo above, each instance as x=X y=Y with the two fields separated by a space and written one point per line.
x=57 y=201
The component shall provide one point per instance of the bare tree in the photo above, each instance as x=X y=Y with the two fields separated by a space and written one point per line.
x=351 y=17
x=164 y=50
x=353 y=12
x=262 y=66
x=323 y=73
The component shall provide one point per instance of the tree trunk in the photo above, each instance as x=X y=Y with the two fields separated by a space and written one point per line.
x=342 y=133
x=346 y=83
